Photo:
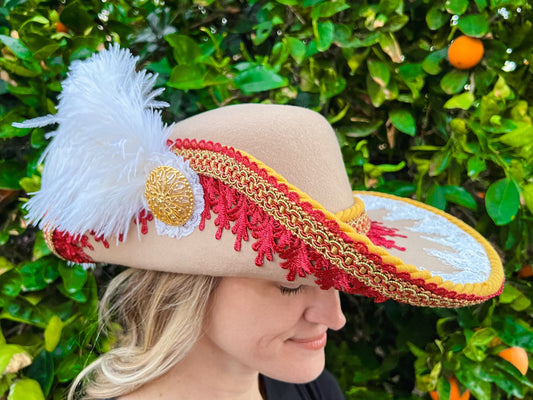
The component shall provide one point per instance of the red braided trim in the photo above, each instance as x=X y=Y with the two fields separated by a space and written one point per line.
x=326 y=246
x=70 y=247
x=245 y=219
x=377 y=234
x=142 y=220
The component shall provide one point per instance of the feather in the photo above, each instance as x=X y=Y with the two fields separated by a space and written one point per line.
x=110 y=136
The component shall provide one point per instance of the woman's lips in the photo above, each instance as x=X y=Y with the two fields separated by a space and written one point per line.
x=314 y=343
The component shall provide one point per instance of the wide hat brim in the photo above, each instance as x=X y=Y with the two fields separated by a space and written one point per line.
x=256 y=223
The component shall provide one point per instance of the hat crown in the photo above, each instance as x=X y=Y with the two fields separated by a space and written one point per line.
x=306 y=155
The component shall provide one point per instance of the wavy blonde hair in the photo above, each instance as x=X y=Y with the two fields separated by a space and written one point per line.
x=161 y=315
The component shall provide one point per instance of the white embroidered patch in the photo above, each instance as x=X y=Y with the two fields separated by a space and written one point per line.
x=464 y=259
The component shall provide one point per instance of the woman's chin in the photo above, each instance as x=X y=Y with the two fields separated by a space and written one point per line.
x=304 y=371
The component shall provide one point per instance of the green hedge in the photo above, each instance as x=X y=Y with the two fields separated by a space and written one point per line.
x=408 y=123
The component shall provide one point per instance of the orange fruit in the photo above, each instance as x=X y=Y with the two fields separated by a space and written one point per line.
x=516 y=356
x=525 y=272
x=454 y=391
x=465 y=52
x=60 y=27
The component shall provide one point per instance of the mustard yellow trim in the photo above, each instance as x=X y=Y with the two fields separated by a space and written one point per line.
x=490 y=286
x=353 y=212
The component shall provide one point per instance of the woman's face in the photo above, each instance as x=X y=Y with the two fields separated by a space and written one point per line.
x=276 y=329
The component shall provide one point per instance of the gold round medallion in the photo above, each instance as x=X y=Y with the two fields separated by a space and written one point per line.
x=169 y=196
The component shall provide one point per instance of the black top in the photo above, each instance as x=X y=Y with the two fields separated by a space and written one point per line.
x=325 y=387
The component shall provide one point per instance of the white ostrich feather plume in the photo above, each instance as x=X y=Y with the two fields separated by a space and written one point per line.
x=109 y=138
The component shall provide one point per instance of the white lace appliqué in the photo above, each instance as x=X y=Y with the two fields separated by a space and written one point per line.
x=466 y=255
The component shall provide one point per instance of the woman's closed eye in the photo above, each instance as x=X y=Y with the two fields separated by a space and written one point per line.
x=291 y=290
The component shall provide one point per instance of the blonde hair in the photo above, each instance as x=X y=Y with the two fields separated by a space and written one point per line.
x=161 y=315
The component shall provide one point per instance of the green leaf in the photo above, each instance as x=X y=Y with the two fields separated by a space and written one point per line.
x=40 y=248
x=390 y=6
x=403 y=120
x=454 y=81
x=463 y=101
x=501 y=89
x=456 y=6
x=42 y=370
x=411 y=71
x=361 y=129
x=436 y=197
x=469 y=375
x=18 y=49
x=475 y=25
x=514 y=331
x=296 y=48
x=331 y=84
x=502 y=201
x=377 y=96
x=25 y=389
x=74 y=277
x=13 y=358
x=509 y=294
x=5 y=265
x=259 y=79
x=397 y=188
x=431 y=63
x=308 y=3
x=481 y=4
x=10 y=175
x=329 y=9
x=30 y=184
x=515 y=298
x=519 y=137
x=390 y=46
x=482 y=337
x=262 y=32
x=185 y=49
x=396 y=23
x=475 y=166
x=52 y=333
x=325 y=35
x=76 y=17
x=435 y=18
x=527 y=192
x=439 y=162
x=460 y=196
x=379 y=72
x=186 y=77
x=33 y=274
x=69 y=367
x=10 y=283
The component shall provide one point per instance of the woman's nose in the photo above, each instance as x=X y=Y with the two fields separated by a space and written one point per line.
x=326 y=309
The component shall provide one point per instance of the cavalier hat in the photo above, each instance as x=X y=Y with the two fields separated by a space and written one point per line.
x=248 y=190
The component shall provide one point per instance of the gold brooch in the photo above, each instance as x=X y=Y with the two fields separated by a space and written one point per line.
x=169 y=196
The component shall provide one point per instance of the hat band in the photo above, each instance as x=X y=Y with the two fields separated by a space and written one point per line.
x=250 y=199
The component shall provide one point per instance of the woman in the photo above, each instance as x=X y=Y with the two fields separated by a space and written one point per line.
x=279 y=331
x=210 y=197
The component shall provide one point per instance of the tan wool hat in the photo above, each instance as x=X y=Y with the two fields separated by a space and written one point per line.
x=248 y=190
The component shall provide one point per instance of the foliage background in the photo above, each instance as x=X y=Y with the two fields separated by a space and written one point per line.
x=408 y=123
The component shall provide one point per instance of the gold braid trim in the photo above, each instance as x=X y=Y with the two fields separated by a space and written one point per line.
x=49 y=240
